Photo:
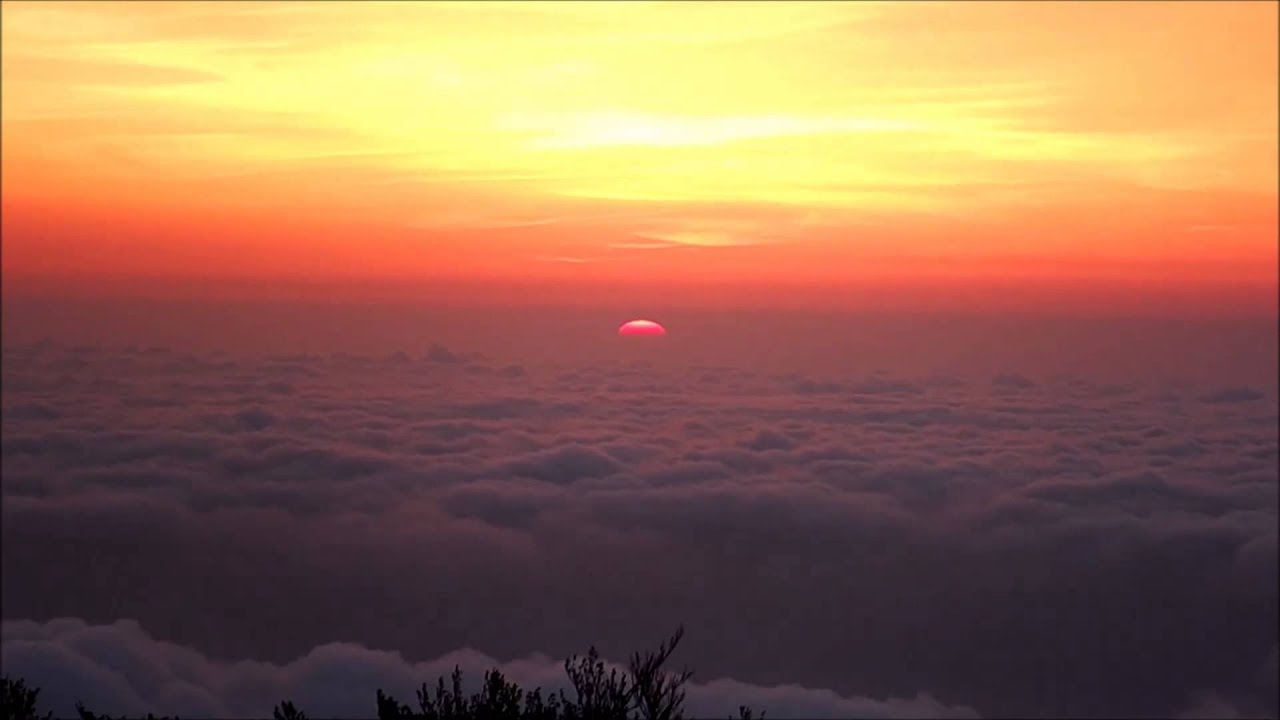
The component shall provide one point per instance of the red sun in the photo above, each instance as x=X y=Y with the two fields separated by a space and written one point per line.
x=641 y=328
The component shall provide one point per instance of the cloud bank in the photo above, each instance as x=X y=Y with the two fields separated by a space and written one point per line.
x=1008 y=544
x=120 y=666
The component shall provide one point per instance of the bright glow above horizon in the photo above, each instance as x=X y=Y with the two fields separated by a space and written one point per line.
x=863 y=145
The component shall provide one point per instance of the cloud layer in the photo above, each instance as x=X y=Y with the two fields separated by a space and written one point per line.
x=1009 y=543
x=120 y=666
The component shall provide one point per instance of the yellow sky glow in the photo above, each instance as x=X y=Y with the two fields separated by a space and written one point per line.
x=782 y=141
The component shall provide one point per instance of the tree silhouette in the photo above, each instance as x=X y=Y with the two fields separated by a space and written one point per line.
x=85 y=714
x=645 y=691
x=17 y=701
x=600 y=696
x=390 y=709
x=659 y=695
x=286 y=711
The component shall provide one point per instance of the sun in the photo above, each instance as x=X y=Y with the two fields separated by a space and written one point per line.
x=641 y=328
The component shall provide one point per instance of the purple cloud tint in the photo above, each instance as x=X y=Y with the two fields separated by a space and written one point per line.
x=1014 y=544
x=121 y=666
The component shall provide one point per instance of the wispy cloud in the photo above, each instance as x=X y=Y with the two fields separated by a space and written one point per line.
x=571 y=260
x=597 y=129
x=691 y=110
x=1227 y=227
x=697 y=238
x=708 y=234
x=662 y=245
x=484 y=224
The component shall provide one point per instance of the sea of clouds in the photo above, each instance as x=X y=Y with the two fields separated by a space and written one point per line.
x=208 y=534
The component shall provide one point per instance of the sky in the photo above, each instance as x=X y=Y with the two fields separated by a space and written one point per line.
x=310 y=380
x=1112 y=158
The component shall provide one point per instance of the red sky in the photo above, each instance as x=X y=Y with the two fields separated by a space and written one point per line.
x=1109 y=157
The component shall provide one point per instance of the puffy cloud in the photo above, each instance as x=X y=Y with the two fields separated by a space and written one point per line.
x=769 y=440
x=1012 y=547
x=441 y=354
x=122 y=667
x=1013 y=381
x=564 y=464
x=1233 y=395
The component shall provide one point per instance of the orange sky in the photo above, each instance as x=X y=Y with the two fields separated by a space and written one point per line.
x=945 y=149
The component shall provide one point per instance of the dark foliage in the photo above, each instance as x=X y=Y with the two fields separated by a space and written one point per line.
x=17 y=701
x=646 y=691
x=86 y=714
x=659 y=695
x=286 y=711
x=600 y=696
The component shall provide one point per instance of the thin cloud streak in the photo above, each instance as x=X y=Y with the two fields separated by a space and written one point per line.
x=1009 y=142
